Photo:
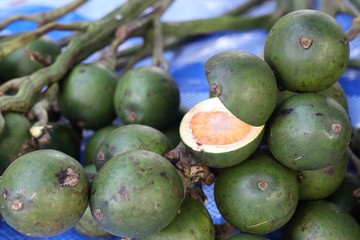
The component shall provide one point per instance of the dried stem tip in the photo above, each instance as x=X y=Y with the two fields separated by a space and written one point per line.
x=306 y=42
x=262 y=185
x=98 y=213
x=17 y=205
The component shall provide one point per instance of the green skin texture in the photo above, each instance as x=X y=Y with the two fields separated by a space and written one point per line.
x=15 y=135
x=343 y=196
x=18 y=64
x=64 y=138
x=309 y=69
x=86 y=96
x=136 y=194
x=245 y=236
x=50 y=206
x=245 y=83
x=147 y=95
x=335 y=91
x=321 y=220
x=131 y=137
x=302 y=134
x=94 y=142
x=193 y=222
x=231 y=158
x=250 y=208
x=87 y=224
x=319 y=184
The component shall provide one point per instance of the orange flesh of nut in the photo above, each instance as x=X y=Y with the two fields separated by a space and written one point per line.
x=218 y=128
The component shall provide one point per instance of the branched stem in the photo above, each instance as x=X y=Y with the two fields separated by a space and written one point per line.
x=40 y=111
x=177 y=32
x=109 y=57
x=158 y=41
x=158 y=52
x=212 y=25
x=15 y=43
x=44 y=17
x=333 y=7
x=95 y=38
x=191 y=170
x=45 y=60
x=128 y=62
x=12 y=84
x=354 y=30
x=128 y=57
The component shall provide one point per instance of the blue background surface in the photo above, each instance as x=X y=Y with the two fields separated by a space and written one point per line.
x=187 y=66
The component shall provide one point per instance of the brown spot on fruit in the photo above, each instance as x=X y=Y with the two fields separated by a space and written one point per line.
x=336 y=127
x=132 y=117
x=306 y=42
x=303 y=227
x=101 y=156
x=300 y=176
x=17 y=205
x=5 y=193
x=68 y=177
x=330 y=171
x=90 y=176
x=99 y=215
x=215 y=89
x=164 y=175
x=262 y=185
x=124 y=194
